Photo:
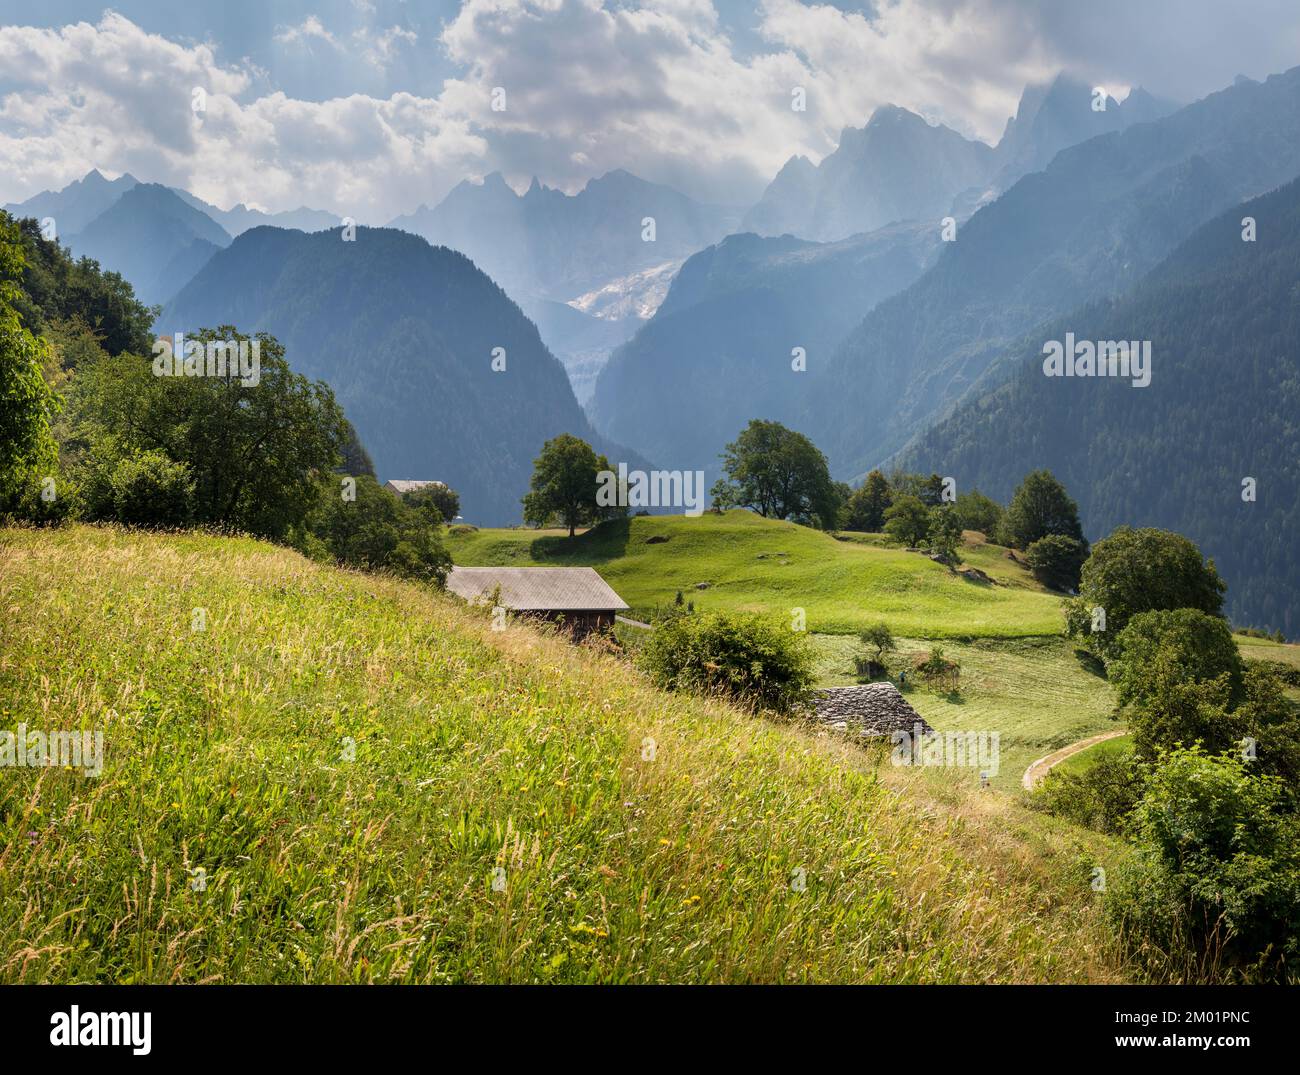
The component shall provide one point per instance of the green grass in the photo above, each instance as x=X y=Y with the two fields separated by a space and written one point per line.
x=1263 y=649
x=1038 y=694
x=1077 y=763
x=474 y=750
x=753 y=564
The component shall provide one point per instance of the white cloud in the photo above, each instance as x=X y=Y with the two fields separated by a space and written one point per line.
x=654 y=86
x=118 y=98
x=305 y=32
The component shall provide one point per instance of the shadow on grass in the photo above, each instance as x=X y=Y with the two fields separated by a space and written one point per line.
x=1090 y=662
x=605 y=541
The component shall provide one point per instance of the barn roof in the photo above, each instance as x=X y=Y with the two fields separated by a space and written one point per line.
x=537 y=589
x=408 y=485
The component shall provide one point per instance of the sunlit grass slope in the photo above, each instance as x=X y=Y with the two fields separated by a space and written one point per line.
x=755 y=564
x=474 y=751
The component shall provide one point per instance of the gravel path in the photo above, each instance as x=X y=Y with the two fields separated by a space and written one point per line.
x=1040 y=768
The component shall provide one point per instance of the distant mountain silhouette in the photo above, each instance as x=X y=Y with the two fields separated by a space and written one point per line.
x=719 y=351
x=898 y=167
x=153 y=238
x=77 y=204
x=1223 y=318
x=1100 y=216
x=404 y=332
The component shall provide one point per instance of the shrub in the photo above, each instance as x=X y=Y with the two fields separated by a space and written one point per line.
x=1056 y=561
x=754 y=661
x=1219 y=867
x=152 y=490
x=1102 y=797
x=377 y=532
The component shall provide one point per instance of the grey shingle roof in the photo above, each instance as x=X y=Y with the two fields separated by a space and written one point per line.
x=537 y=589
x=407 y=485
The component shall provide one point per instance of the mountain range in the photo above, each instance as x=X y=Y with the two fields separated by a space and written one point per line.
x=1090 y=225
x=156 y=236
x=899 y=167
x=405 y=333
x=725 y=345
x=1210 y=448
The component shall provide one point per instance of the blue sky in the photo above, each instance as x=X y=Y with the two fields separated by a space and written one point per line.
x=370 y=107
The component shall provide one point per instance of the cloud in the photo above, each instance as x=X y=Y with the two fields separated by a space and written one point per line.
x=305 y=32
x=679 y=91
x=116 y=97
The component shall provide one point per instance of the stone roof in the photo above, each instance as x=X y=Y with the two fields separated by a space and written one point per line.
x=537 y=589
x=401 y=486
x=868 y=708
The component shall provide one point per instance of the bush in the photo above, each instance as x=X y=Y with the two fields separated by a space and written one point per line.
x=1219 y=867
x=151 y=490
x=754 y=661
x=1056 y=561
x=1102 y=797
x=376 y=532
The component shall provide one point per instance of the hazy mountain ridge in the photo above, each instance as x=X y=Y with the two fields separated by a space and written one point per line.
x=899 y=167
x=404 y=333
x=718 y=352
x=153 y=238
x=1223 y=316
x=1100 y=216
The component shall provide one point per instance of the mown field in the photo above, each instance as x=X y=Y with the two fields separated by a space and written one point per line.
x=747 y=563
x=343 y=778
x=1038 y=694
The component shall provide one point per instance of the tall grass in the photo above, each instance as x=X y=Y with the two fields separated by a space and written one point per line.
x=643 y=837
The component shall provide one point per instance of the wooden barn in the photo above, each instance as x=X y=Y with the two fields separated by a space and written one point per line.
x=574 y=596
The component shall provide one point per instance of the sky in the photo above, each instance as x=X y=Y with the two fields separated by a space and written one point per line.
x=369 y=108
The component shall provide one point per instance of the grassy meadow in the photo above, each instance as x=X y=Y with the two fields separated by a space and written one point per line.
x=344 y=778
x=751 y=564
x=1038 y=694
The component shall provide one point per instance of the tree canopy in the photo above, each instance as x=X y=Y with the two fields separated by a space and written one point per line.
x=778 y=473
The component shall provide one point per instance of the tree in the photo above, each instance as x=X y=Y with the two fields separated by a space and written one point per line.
x=376 y=531
x=254 y=451
x=1218 y=868
x=881 y=637
x=778 y=473
x=1134 y=571
x=868 y=503
x=1041 y=506
x=1056 y=560
x=440 y=501
x=564 y=483
x=979 y=512
x=27 y=404
x=1186 y=642
x=944 y=533
x=907 y=520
